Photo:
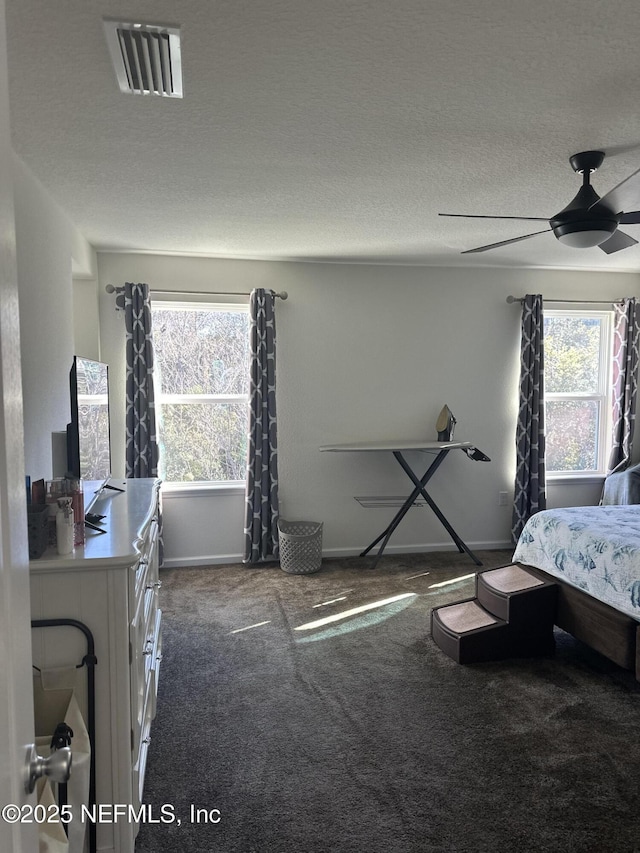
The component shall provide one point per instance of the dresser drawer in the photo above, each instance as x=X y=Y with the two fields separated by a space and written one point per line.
x=142 y=641
x=148 y=562
x=156 y=660
x=140 y=765
x=141 y=747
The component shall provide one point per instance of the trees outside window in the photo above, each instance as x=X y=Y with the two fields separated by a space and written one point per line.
x=577 y=376
x=202 y=390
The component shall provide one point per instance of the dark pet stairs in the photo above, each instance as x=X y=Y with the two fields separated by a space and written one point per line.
x=512 y=615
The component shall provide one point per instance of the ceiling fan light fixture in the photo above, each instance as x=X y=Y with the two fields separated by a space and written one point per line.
x=584 y=234
x=584 y=239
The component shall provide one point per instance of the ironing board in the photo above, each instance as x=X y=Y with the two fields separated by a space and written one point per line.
x=439 y=450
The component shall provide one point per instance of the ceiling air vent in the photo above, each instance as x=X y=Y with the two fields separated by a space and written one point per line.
x=146 y=58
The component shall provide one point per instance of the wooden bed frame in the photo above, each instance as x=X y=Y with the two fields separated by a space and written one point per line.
x=610 y=632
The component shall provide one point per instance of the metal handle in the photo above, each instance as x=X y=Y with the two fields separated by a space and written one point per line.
x=57 y=766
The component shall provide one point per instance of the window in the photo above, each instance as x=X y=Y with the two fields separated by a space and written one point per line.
x=202 y=390
x=577 y=379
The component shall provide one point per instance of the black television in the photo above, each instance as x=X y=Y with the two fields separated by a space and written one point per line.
x=88 y=434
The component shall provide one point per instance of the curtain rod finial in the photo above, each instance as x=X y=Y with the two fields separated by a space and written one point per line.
x=511 y=299
x=283 y=295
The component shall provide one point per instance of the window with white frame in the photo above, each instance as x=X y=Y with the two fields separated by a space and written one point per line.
x=202 y=390
x=577 y=380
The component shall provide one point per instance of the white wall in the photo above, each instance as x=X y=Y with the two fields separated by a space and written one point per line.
x=47 y=244
x=369 y=352
x=86 y=319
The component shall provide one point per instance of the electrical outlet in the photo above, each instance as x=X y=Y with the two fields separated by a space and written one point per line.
x=503 y=498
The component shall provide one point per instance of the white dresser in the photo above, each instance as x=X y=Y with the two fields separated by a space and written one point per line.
x=111 y=585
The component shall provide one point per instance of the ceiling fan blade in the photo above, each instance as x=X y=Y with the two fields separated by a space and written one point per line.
x=625 y=196
x=480 y=216
x=504 y=242
x=631 y=218
x=618 y=240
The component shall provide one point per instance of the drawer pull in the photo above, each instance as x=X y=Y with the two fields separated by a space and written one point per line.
x=148 y=649
x=146 y=740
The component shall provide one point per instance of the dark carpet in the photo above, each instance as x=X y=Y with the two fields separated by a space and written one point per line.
x=361 y=735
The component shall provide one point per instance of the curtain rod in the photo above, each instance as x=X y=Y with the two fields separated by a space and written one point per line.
x=283 y=295
x=520 y=299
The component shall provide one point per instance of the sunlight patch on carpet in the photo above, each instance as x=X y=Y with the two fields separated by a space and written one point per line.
x=331 y=601
x=454 y=580
x=345 y=614
x=367 y=620
x=249 y=627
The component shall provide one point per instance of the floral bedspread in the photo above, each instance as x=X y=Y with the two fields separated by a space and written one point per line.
x=595 y=548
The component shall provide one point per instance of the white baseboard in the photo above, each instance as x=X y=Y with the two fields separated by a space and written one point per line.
x=212 y=560
x=331 y=553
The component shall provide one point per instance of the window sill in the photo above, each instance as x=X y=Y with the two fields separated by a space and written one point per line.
x=202 y=490
x=574 y=479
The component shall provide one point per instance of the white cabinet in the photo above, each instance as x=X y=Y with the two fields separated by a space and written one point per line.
x=112 y=586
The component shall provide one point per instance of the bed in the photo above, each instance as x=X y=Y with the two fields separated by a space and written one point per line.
x=593 y=553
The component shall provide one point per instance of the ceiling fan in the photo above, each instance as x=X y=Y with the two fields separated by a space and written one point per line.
x=587 y=220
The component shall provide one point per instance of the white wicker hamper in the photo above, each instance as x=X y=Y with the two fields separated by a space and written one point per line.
x=300 y=546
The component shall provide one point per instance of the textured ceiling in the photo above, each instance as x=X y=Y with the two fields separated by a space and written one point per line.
x=332 y=129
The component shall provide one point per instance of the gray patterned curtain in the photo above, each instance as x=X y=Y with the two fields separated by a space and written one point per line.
x=626 y=334
x=142 y=447
x=261 y=517
x=530 y=489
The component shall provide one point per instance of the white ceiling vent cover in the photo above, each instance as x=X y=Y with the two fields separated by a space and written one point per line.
x=146 y=58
